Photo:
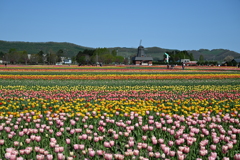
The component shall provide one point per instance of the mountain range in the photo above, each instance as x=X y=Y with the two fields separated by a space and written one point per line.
x=71 y=49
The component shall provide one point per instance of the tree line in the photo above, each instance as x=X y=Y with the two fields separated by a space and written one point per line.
x=85 y=57
x=176 y=56
x=99 y=56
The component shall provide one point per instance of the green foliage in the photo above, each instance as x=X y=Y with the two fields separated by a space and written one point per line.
x=201 y=58
x=1 y=54
x=189 y=82
x=176 y=56
x=207 y=63
x=101 y=55
x=84 y=57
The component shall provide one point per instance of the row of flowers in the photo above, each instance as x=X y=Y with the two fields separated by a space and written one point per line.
x=151 y=136
x=100 y=70
x=184 y=107
x=120 y=122
x=123 y=76
x=124 y=122
x=10 y=89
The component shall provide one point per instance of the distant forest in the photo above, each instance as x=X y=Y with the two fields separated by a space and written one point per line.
x=53 y=52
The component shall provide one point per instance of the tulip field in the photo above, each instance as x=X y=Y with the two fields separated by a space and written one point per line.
x=119 y=112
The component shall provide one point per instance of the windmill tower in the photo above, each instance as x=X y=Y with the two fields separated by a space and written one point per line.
x=141 y=58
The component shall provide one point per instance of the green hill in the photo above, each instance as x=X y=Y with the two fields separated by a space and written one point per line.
x=71 y=49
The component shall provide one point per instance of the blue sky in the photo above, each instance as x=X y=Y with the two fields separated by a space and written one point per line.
x=171 y=24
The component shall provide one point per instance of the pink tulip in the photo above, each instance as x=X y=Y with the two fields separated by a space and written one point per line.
x=7 y=155
x=58 y=134
x=76 y=146
x=149 y=148
x=72 y=131
x=16 y=143
x=211 y=158
x=135 y=152
x=84 y=136
x=237 y=156
x=49 y=157
x=60 y=156
x=108 y=156
x=27 y=151
x=96 y=139
x=213 y=154
x=41 y=150
x=224 y=148
x=112 y=143
x=38 y=138
x=40 y=157
x=203 y=152
x=61 y=149
x=131 y=143
x=22 y=151
x=68 y=141
x=81 y=146
x=1 y=141
x=144 y=145
x=100 y=152
x=107 y=144
x=92 y=153
x=126 y=134
x=166 y=150
x=154 y=141
x=10 y=136
x=51 y=131
x=186 y=149
x=144 y=138
x=216 y=140
x=213 y=147
x=101 y=129
x=172 y=153
x=181 y=157
x=157 y=154
x=162 y=146
x=151 y=128
x=52 y=144
x=161 y=140
x=21 y=133
x=28 y=140
x=56 y=149
x=151 y=154
x=170 y=143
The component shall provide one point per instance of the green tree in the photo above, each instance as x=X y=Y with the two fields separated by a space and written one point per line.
x=73 y=58
x=40 y=57
x=59 y=54
x=114 y=53
x=191 y=57
x=51 y=57
x=119 y=59
x=1 y=55
x=34 y=59
x=201 y=58
x=80 y=58
x=24 y=57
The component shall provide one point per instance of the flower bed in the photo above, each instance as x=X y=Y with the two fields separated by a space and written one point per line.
x=120 y=119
